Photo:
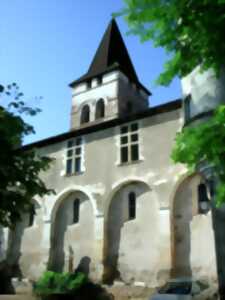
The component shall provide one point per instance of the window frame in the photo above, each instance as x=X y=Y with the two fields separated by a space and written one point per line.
x=74 y=154
x=129 y=139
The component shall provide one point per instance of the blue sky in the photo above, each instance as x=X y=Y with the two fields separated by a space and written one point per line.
x=46 y=44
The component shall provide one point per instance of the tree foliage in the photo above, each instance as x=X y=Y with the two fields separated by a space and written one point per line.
x=204 y=142
x=191 y=31
x=19 y=170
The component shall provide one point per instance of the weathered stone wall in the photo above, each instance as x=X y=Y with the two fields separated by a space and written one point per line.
x=144 y=247
x=206 y=90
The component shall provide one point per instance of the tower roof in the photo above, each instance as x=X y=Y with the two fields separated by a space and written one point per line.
x=111 y=54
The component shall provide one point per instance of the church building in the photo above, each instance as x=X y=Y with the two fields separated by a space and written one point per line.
x=122 y=209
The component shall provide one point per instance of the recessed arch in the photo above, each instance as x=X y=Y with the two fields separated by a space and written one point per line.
x=68 y=234
x=183 y=205
x=66 y=192
x=116 y=217
x=100 y=109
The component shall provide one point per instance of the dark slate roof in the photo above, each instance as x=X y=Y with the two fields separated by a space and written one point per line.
x=163 y=108
x=111 y=54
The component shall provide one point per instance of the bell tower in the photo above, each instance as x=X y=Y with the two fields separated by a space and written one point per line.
x=110 y=88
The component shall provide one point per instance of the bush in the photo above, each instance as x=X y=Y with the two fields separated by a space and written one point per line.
x=59 y=283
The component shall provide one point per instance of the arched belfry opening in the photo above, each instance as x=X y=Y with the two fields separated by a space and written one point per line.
x=72 y=232
x=85 y=114
x=100 y=109
x=186 y=203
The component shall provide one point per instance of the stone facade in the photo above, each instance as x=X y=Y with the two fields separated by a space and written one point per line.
x=158 y=235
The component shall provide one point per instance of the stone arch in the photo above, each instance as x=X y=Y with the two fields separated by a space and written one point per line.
x=183 y=205
x=71 y=241
x=116 y=218
x=69 y=190
x=85 y=114
x=100 y=109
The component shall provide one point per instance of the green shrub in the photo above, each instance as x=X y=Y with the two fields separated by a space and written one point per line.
x=59 y=283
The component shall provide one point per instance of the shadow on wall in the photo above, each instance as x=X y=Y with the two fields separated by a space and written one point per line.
x=57 y=254
x=184 y=207
x=10 y=266
x=84 y=266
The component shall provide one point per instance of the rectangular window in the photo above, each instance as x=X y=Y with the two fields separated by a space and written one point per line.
x=187 y=108
x=74 y=156
x=129 y=143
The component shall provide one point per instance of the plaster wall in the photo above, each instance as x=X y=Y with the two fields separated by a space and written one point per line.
x=144 y=250
x=98 y=183
x=203 y=259
x=206 y=90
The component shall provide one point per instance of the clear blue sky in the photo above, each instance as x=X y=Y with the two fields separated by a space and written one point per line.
x=46 y=44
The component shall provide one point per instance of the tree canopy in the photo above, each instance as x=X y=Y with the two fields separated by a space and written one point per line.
x=192 y=32
x=204 y=143
x=19 y=169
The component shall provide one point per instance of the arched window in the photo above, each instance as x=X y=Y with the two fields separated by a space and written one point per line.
x=203 y=201
x=85 y=114
x=100 y=109
x=76 y=210
x=132 y=205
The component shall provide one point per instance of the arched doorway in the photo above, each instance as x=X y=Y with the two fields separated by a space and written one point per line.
x=185 y=206
x=72 y=232
x=123 y=219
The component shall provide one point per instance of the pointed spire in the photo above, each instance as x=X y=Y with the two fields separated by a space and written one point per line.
x=111 y=54
x=112 y=50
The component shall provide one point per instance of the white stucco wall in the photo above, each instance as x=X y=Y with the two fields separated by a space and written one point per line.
x=206 y=90
x=144 y=251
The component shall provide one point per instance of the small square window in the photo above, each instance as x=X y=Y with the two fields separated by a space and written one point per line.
x=134 y=137
x=124 y=140
x=78 y=151
x=124 y=129
x=78 y=141
x=70 y=144
x=69 y=153
x=134 y=127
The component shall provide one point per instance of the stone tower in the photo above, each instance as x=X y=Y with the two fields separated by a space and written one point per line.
x=111 y=87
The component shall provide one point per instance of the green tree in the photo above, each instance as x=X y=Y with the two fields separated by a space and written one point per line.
x=19 y=170
x=192 y=32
